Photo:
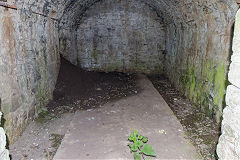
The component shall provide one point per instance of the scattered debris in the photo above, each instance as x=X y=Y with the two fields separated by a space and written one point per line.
x=56 y=140
x=75 y=90
x=162 y=131
x=91 y=118
x=89 y=110
x=200 y=129
x=41 y=140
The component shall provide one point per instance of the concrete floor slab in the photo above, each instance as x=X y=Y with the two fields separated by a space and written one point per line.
x=102 y=133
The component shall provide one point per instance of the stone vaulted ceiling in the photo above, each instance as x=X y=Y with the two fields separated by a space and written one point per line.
x=177 y=11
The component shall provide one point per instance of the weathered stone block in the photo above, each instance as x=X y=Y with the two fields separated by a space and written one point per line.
x=237 y=147
x=29 y=53
x=233 y=97
x=2 y=140
x=234 y=74
x=228 y=147
x=4 y=154
x=229 y=142
x=236 y=38
x=226 y=151
x=232 y=121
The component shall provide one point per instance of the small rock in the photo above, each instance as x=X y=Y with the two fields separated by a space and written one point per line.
x=89 y=110
x=85 y=102
x=162 y=131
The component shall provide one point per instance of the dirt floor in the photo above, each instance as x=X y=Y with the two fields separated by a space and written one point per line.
x=202 y=130
x=75 y=90
x=103 y=132
x=78 y=90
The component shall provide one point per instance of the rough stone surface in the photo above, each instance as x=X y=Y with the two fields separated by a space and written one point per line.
x=232 y=97
x=4 y=153
x=28 y=66
x=125 y=36
x=234 y=74
x=103 y=132
x=197 y=49
x=229 y=142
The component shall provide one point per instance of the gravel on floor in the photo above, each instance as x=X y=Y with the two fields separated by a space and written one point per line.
x=200 y=129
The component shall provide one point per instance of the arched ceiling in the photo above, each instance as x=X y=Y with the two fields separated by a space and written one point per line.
x=184 y=12
x=167 y=9
x=177 y=11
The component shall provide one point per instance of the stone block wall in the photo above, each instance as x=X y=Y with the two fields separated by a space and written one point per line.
x=29 y=62
x=198 y=53
x=125 y=36
x=229 y=142
x=197 y=44
x=197 y=48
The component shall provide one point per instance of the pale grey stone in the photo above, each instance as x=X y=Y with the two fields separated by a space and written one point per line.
x=236 y=38
x=228 y=147
x=233 y=97
x=226 y=151
x=4 y=154
x=3 y=140
x=237 y=147
x=234 y=74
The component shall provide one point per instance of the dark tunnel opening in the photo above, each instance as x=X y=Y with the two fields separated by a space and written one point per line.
x=78 y=89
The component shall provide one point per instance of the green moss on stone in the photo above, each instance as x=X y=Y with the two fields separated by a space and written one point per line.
x=206 y=90
x=209 y=71
x=220 y=85
x=188 y=80
x=192 y=83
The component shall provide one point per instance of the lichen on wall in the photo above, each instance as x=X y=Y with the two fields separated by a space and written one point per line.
x=207 y=89
x=198 y=51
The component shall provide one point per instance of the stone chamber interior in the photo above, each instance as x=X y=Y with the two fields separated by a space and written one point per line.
x=190 y=42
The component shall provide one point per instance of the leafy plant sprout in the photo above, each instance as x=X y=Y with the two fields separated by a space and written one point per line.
x=139 y=146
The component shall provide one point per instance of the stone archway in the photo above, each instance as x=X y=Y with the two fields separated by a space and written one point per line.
x=35 y=30
x=229 y=142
